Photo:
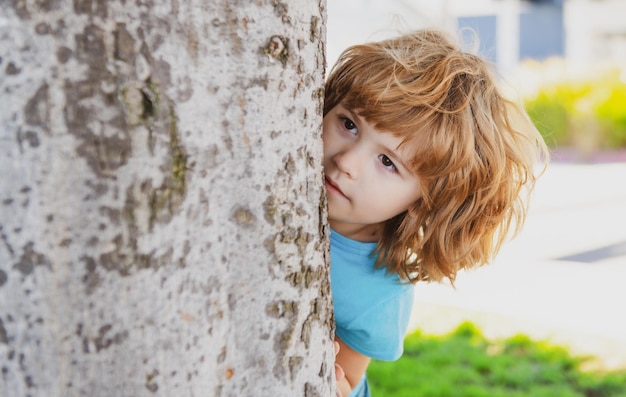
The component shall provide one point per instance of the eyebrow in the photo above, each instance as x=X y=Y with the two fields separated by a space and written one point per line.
x=353 y=114
x=397 y=157
x=394 y=152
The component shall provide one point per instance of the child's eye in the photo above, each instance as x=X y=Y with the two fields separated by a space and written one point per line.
x=387 y=163
x=349 y=125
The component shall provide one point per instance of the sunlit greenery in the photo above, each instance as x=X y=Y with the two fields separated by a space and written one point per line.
x=588 y=113
x=465 y=364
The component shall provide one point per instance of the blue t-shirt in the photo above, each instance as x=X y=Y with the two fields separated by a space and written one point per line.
x=372 y=308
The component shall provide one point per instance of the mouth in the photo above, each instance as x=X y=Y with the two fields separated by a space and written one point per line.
x=332 y=187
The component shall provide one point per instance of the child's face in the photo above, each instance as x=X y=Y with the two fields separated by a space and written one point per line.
x=367 y=179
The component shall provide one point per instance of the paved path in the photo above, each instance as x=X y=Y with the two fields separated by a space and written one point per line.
x=563 y=279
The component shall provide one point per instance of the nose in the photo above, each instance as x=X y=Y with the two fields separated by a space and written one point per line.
x=349 y=161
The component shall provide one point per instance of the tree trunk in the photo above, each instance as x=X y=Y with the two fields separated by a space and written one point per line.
x=162 y=216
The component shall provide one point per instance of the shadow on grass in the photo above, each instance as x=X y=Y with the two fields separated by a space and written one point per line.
x=465 y=364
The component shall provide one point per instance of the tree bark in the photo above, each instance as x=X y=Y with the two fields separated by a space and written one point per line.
x=162 y=216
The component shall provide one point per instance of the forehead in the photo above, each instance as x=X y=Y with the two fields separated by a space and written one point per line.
x=404 y=141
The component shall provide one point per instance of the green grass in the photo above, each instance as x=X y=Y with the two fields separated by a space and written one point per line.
x=465 y=364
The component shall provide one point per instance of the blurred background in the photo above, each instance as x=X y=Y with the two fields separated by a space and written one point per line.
x=561 y=279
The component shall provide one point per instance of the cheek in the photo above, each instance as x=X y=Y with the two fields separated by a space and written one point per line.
x=325 y=127
x=328 y=144
x=326 y=147
x=406 y=198
x=325 y=134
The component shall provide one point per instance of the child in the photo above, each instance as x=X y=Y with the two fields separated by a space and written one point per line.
x=426 y=167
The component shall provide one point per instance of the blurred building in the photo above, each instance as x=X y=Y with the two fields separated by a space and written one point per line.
x=509 y=31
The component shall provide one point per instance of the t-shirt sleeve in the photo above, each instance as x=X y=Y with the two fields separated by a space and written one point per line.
x=379 y=331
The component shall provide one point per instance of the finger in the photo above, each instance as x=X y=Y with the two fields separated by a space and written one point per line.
x=337 y=347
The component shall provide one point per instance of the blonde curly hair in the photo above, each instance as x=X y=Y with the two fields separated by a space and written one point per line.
x=474 y=150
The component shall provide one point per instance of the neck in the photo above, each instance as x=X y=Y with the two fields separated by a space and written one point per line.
x=362 y=233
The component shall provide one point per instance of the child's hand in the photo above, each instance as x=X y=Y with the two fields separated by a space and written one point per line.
x=339 y=373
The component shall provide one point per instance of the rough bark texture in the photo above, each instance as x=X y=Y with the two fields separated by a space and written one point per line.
x=162 y=222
